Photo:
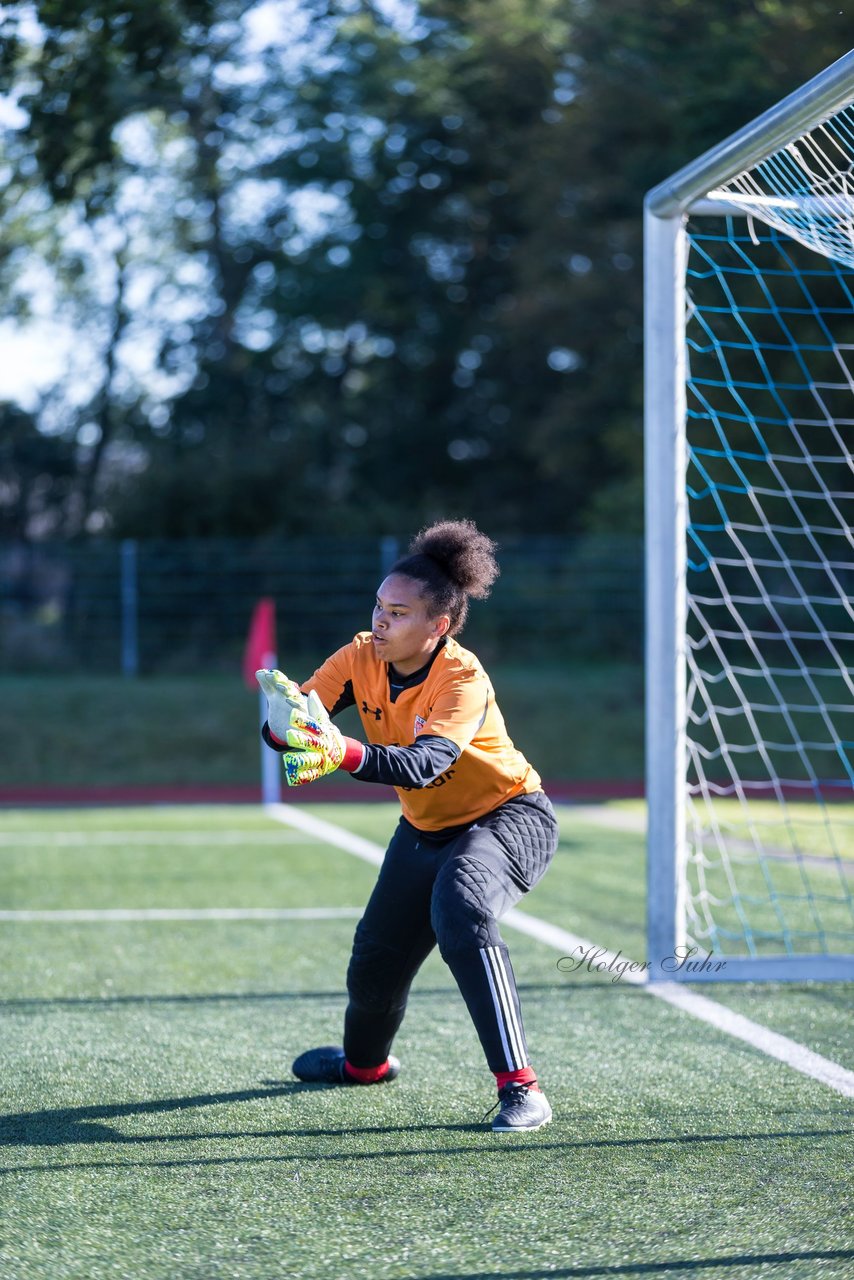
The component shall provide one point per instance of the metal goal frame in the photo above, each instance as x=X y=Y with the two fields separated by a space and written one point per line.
x=666 y=209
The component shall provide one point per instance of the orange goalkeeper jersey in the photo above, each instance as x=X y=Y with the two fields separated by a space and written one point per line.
x=454 y=701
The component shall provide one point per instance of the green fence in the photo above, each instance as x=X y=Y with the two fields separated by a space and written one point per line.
x=156 y=606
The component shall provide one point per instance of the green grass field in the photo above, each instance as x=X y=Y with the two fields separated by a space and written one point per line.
x=151 y=1129
x=798 y=894
x=186 y=730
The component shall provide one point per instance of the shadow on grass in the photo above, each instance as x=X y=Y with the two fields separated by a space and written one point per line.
x=559 y=984
x=654 y=1268
x=212 y=997
x=491 y=1145
x=60 y=1126
x=85 y=1125
x=839 y=997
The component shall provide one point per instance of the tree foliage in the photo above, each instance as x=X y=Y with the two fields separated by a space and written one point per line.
x=365 y=271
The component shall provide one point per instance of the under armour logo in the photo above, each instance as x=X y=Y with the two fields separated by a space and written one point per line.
x=371 y=711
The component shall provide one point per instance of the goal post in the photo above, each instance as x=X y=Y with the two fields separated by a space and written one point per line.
x=749 y=478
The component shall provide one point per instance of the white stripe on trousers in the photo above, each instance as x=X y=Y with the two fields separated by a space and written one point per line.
x=505 y=1009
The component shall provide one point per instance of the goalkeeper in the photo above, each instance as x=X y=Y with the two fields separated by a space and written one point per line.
x=476 y=831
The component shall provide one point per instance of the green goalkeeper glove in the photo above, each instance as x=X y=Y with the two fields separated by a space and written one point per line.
x=283 y=699
x=315 y=746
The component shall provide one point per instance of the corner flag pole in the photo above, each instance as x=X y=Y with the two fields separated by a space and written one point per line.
x=271 y=778
x=260 y=652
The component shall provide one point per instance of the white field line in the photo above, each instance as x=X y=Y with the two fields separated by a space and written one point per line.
x=634 y=821
x=292 y=816
x=78 y=839
x=616 y=819
x=787 y=1051
x=132 y=914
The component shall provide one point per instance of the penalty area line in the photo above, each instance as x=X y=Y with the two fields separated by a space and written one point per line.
x=100 y=838
x=771 y=1043
x=113 y=915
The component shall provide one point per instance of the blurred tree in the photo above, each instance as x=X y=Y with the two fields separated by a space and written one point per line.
x=335 y=270
x=653 y=84
x=361 y=367
x=38 y=474
x=74 y=245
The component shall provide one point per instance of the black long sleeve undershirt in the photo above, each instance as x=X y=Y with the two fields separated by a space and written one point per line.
x=415 y=766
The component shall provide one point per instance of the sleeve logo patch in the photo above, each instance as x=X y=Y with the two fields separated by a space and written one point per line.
x=419 y=724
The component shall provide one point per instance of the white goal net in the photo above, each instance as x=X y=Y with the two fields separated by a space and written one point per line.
x=751 y=748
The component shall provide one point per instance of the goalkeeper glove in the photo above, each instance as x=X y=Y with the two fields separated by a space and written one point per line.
x=283 y=698
x=315 y=746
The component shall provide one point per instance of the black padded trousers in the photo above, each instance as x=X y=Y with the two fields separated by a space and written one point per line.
x=449 y=891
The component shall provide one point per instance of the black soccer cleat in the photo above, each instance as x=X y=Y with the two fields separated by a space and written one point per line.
x=521 y=1109
x=326 y=1066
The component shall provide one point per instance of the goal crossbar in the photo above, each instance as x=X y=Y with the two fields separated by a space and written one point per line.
x=801 y=111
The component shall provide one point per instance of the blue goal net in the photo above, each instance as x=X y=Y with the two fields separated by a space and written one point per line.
x=770 y=565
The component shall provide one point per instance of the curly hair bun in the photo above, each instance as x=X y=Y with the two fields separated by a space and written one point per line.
x=466 y=555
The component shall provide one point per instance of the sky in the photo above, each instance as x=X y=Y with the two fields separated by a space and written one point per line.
x=36 y=354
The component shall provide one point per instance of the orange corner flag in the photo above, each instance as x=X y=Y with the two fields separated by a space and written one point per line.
x=260 y=648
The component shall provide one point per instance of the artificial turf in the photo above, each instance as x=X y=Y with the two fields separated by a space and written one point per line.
x=151 y=1128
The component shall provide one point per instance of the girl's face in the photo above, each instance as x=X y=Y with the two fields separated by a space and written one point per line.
x=403 y=634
